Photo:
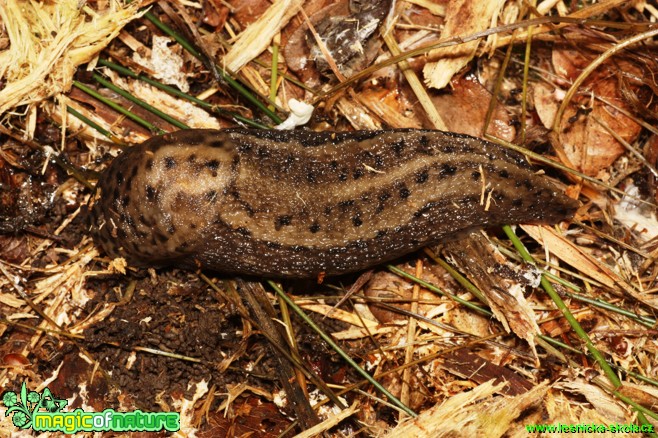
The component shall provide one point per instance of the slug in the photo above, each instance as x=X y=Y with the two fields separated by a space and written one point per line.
x=299 y=204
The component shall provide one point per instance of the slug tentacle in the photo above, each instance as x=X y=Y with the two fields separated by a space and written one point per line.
x=300 y=203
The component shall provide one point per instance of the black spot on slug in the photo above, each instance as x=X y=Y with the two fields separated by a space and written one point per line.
x=356 y=221
x=345 y=205
x=447 y=170
x=235 y=162
x=212 y=165
x=476 y=175
x=314 y=228
x=503 y=173
x=425 y=208
x=448 y=148
x=404 y=192
x=424 y=146
x=422 y=177
x=397 y=147
x=149 y=164
x=150 y=193
x=282 y=221
x=169 y=162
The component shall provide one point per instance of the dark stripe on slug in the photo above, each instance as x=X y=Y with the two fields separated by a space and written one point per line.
x=304 y=138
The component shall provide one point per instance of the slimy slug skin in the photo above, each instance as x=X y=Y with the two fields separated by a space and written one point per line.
x=298 y=204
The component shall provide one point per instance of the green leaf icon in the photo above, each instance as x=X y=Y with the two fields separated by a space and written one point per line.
x=33 y=397
x=9 y=398
x=20 y=419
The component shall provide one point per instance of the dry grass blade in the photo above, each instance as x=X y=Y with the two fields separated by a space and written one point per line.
x=36 y=67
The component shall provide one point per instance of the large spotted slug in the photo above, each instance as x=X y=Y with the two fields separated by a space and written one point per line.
x=303 y=204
